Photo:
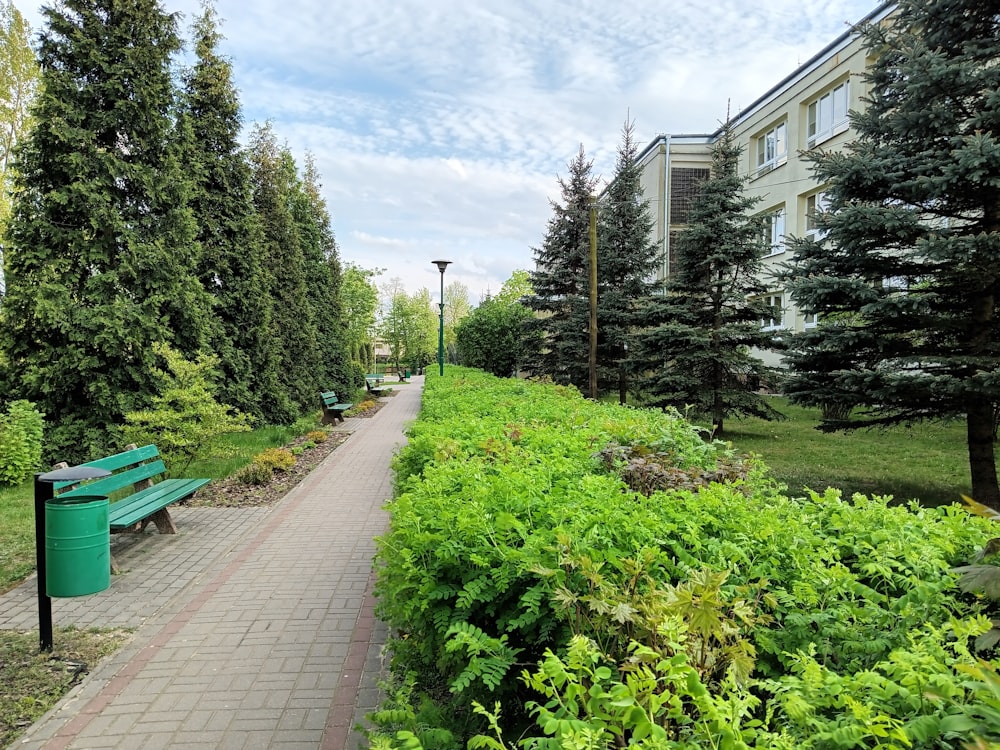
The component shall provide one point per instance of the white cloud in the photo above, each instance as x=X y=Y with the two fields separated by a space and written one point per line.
x=440 y=126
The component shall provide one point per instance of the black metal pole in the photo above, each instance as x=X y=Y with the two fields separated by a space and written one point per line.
x=43 y=492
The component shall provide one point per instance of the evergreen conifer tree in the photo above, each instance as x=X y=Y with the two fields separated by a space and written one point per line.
x=103 y=241
x=698 y=353
x=906 y=279
x=231 y=239
x=560 y=281
x=324 y=277
x=627 y=259
x=293 y=323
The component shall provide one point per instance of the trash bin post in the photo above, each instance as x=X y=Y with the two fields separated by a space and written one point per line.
x=44 y=491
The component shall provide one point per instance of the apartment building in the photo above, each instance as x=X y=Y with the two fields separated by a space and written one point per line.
x=807 y=110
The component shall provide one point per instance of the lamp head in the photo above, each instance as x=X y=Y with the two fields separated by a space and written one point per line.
x=441 y=264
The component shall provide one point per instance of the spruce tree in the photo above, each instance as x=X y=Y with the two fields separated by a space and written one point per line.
x=698 y=353
x=102 y=239
x=560 y=281
x=230 y=265
x=293 y=325
x=627 y=260
x=906 y=279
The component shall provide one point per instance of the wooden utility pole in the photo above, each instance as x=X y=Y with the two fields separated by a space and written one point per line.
x=593 y=297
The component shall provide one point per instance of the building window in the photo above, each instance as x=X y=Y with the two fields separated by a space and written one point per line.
x=685 y=182
x=773 y=232
x=772 y=320
x=772 y=149
x=827 y=115
x=895 y=285
x=815 y=204
x=809 y=320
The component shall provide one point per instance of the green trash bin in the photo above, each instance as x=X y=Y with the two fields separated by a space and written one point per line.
x=77 y=545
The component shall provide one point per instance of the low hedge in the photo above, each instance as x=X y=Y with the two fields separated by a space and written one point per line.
x=606 y=575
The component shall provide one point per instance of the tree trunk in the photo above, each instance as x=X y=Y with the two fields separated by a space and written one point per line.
x=622 y=386
x=982 y=462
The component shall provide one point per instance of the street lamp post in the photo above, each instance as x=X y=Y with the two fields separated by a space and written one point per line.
x=441 y=264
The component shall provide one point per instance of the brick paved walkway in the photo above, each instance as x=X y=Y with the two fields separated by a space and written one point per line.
x=255 y=626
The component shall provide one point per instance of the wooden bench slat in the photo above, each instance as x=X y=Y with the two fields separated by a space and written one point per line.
x=121 y=480
x=118 y=461
x=134 y=508
x=132 y=467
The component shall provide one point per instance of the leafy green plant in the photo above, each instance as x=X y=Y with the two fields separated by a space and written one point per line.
x=982 y=576
x=255 y=474
x=510 y=535
x=184 y=420
x=20 y=442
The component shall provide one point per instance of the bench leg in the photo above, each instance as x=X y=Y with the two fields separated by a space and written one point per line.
x=164 y=523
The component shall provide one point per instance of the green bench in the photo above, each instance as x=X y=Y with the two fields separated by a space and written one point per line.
x=137 y=489
x=333 y=408
x=374 y=385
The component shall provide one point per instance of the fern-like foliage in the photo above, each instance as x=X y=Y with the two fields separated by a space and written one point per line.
x=489 y=659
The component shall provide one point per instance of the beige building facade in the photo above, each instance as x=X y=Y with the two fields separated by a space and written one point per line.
x=807 y=110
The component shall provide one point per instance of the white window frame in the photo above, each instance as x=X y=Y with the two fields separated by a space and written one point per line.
x=816 y=202
x=810 y=320
x=826 y=115
x=776 y=301
x=896 y=285
x=772 y=148
x=773 y=232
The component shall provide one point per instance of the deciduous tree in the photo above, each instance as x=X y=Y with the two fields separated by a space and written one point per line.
x=493 y=337
x=18 y=82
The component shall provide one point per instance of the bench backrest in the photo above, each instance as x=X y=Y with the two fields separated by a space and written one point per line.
x=329 y=398
x=126 y=469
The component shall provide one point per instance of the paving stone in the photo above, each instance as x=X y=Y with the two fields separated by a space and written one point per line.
x=254 y=626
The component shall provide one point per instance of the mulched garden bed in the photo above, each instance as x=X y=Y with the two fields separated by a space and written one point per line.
x=232 y=493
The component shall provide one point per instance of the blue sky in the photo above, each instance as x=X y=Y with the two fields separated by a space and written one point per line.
x=440 y=127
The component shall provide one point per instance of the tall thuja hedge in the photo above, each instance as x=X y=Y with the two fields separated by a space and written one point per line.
x=514 y=530
x=324 y=279
x=101 y=247
x=293 y=323
x=230 y=265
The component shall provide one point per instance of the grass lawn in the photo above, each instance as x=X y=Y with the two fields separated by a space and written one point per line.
x=927 y=462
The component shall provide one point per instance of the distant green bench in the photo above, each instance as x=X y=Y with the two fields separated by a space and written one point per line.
x=373 y=383
x=137 y=489
x=333 y=408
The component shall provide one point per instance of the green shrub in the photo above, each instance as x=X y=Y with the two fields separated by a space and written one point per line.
x=20 y=442
x=184 y=420
x=515 y=533
x=254 y=474
x=275 y=459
